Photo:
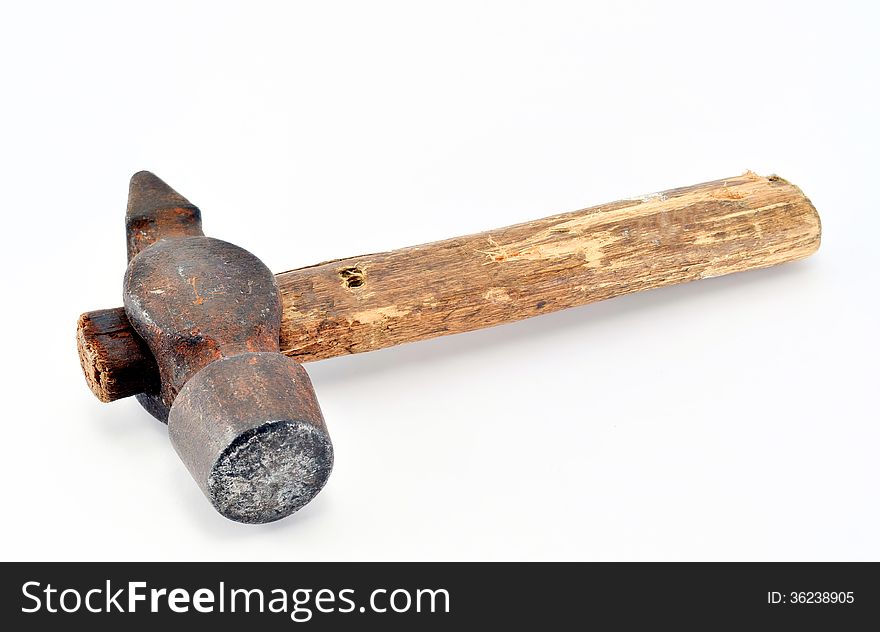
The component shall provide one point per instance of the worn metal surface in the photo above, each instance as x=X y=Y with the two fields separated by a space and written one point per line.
x=157 y=211
x=194 y=300
x=251 y=434
x=243 y=417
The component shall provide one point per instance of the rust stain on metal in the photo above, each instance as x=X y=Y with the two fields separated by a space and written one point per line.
x=243 y=418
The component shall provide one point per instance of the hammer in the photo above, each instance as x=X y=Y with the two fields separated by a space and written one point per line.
x=211 y=342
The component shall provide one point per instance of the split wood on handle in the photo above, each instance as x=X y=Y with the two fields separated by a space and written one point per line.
x=380 y=300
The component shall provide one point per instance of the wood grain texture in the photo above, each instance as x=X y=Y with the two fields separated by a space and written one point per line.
x=115 y=361
x=499 y=276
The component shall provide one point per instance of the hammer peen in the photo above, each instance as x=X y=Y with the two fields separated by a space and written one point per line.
x=210 y=341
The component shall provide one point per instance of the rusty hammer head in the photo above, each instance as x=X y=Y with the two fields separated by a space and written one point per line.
x=243 y=417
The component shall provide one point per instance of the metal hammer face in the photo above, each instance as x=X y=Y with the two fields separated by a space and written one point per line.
x=243 y=417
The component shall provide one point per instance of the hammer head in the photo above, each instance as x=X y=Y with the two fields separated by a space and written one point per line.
x=243 y=417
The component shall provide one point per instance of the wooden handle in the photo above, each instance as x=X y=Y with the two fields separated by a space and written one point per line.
x=503 y=275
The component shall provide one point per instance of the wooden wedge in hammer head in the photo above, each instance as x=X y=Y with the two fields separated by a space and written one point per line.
x=210 y=341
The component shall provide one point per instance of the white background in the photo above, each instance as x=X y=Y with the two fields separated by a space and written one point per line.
x=733 y=418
